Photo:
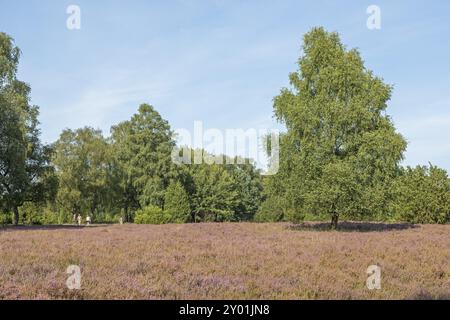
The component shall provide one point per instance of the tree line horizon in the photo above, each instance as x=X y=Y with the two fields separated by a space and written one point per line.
x=340 y=158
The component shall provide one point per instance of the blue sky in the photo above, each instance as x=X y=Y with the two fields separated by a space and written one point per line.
x=223 y=61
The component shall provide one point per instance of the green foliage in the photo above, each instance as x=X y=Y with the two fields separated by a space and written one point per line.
x=422 y=195
x=24 y=161
x=176 y=203
x=32 y=213
x=340 y=146
x=271 y=211
x=221 y=192
x=84 y=166
x=152 y=215
x=248 y=185
x=339 y=158
x=142 y=150
x=49 y=216
x=63 y=216
x=134 y=170
x=5 y=218
x=214 y=197
x=336 y=190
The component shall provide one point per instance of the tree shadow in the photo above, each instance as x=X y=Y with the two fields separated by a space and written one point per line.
x=47 y=227
x=352 y=226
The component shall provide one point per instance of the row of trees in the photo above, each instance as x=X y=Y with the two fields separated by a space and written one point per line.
x=106 y=178
x=339 y=158
x=132 y=171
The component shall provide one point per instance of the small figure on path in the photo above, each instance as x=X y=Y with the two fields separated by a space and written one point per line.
x=79 y=219
x=121 y=220
x=88 y=220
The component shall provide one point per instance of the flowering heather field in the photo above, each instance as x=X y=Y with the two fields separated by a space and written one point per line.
x=225 y=261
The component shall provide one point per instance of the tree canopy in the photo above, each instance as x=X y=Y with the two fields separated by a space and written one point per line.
x=142 y=149
x=84 y=165
x=341 y=151
x=25 y=172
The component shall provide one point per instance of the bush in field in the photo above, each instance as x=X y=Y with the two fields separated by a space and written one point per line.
x=31 y=213
x=217 y=215
x=107 y=218
x=271 y=211
x=152 y=215
x=5 y=218
x=50 y=217
x=176 y=203
x=422 y=195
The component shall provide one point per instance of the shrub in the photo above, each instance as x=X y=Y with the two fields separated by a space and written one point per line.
x=271 y=211
x=50 y=217
x=30 y=213
x=176 y=203
x=152 y=215
x=109 y=218
x=64 y=216
x=5 y=218
x=422 y=195
x=218 y=215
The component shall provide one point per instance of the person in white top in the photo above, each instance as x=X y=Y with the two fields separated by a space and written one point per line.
x=88 y=220
x=79 y=219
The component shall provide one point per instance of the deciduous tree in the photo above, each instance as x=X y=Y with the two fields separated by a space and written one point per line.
x=341 y=151
x=142 y=149
x=84 y=166
x=24 y=161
